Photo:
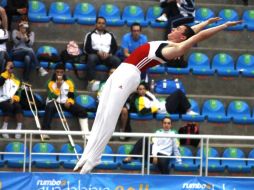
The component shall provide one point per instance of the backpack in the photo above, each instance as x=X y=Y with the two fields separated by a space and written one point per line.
x=192 y=129
x=72 y=54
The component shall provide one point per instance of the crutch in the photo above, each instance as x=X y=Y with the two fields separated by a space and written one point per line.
x=32 y=105
x=65 y=125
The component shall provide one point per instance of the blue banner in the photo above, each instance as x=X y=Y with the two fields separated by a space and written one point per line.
x=57 y=181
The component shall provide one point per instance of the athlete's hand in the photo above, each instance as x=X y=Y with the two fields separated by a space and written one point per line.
x=233 y=23
x=214 y=19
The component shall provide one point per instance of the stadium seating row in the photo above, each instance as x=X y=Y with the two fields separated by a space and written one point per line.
x=44 y=155
x=85 y=13
x=221 y=64
x=213 y=110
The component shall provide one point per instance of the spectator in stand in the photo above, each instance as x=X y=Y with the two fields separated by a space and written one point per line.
x=169 y=9
x=100 y=46
x=144 y=102
x=124 y=116
x=185 y=14
x=4 y=35
x=61 y=89
x=161 y=146
x=3 y=17
x=23 y=40
x=245 y=2
x=132 y=40
x=16 y=8
x=9 y=98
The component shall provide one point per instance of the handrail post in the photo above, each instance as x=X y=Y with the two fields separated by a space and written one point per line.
x=30 y=152
x=206 y=158
x=148 y=155
x=24 y=159
x=201 y=157
x=143 y=156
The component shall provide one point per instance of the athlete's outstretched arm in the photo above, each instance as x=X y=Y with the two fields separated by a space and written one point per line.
x=198 y=27
x=178 y=49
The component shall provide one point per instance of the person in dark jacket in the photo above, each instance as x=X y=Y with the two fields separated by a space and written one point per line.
x=100 y=46
x=16 y=8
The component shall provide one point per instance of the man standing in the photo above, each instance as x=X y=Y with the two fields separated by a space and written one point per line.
x=100 y=46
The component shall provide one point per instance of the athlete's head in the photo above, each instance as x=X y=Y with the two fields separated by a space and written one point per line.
x=180 y=33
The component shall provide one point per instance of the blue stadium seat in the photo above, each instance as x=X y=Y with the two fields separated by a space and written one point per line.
x=199 y=64
x=250 y=163
x=240 y=112
x=78 y=66
x=108 y=162
x=49 y=50
x=230 y=15
x=87 y=102
x=213 y=165
x=3 y=3
x=161 y=116
x=245 y=64
x=224 y=65
x=44 y=160
x=69 y=161
x=152 y=13
x=195 y=108
x=61 y=13
x=85 y=13
x=235 y=165
x=203 y=14
x=178 y=71
x=158 y=69
x=136 y=116
x=37 y=12
x=133 y=13
x=214 y=111
x=15 y=155
x=102 y=68
x=112 y=14
x=168 y=87
x=134 y=165
x=248 y=18
x=188 y=164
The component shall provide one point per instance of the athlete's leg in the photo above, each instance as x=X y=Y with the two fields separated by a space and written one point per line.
x=116 y=91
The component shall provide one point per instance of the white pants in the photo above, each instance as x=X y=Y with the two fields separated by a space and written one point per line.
x=117 y=89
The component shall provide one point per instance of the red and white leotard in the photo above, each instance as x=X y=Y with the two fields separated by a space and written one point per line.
x=147 y=55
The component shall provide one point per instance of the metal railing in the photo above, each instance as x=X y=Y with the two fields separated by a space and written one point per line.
x=28 y=140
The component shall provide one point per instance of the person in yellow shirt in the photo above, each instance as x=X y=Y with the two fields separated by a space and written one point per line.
x=10 y=97
x=61 y=89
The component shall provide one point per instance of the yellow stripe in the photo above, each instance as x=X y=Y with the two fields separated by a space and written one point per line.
x=70 y=100
x=16 y=98
x=141 y=103
x=5 y=74
x=71 y=85
x=55 y=91
x=154 y=109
